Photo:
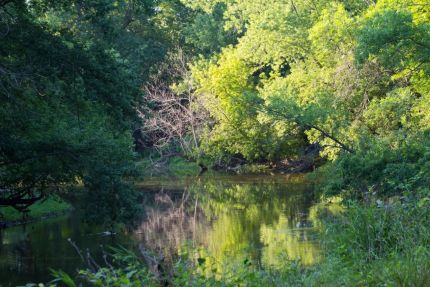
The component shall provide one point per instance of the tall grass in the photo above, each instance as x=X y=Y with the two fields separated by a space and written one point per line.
x=377 y=245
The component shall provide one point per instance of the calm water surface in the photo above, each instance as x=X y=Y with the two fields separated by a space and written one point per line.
x=262 y=218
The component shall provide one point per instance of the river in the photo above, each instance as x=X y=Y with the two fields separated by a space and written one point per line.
x=261 y=218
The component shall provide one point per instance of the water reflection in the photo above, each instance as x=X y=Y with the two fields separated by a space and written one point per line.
x=264 y=219
x=261 y=218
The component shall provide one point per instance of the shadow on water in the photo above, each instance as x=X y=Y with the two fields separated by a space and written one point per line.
x=261 y=218
x=28 y=251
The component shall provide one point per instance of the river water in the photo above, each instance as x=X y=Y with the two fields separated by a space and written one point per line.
x=261 y=218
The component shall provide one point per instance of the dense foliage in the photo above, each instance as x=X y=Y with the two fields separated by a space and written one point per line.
x=350 y=78
x=70 y=84
x=343 y=77
x=223 y=81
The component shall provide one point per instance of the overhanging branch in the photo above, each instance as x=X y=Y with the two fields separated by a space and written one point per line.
x=305 y=125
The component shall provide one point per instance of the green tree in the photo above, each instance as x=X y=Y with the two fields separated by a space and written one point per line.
x=70 y=88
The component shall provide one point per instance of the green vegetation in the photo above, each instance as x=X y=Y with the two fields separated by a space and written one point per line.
x=225 y=83
x=175 y=166
x=36 y=211
x=180 y=167
x=70 y=77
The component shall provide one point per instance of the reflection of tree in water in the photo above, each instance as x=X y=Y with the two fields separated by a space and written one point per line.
x=246 y=211
x=20 y=251
x=171 y=221
x=281 y=241
x=258 y=220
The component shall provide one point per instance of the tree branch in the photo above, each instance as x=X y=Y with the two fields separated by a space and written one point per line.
x=310 y=126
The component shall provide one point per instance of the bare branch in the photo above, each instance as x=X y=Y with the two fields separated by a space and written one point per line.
x=170 y=117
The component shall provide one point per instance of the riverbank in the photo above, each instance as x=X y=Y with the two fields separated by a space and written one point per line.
x=39 y=211
x=173 y=166
x=179 y=166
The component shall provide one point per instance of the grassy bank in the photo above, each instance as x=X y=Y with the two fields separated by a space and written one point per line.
x=51 y=206
x=175 y=166
x=179 y=167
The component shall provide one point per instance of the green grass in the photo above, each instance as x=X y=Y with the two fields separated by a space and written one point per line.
x=255 y=168
x=176 y=166
x=179 y=166
x=37 y=210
